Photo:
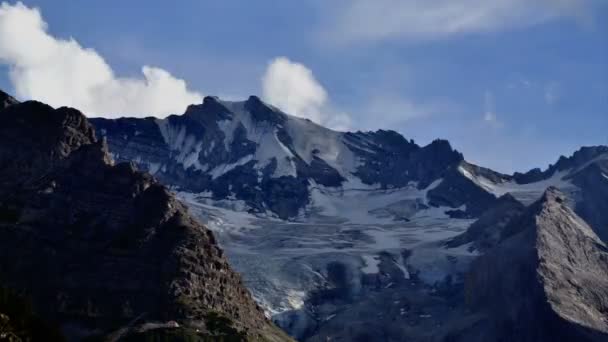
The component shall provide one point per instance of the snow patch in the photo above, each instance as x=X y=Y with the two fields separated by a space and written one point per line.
x=225 y=168
x=264 y=135
x=153 y=168
x=525 y=193
x=371 y=263
x=186 y=145
x=402 y=266
x=296 y=299
x=361 y=203
x=311 y=140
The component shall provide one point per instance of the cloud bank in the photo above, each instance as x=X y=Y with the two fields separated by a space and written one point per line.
x=293 y=88
x=363 y=20
x=62 y=72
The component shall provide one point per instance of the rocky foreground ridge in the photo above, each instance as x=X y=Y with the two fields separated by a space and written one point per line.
x=545 y=281
x=101 y=250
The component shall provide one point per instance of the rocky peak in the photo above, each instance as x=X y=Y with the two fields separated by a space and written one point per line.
x=440 y=146
x=260 y=111
x=582 y=156
x=579 y=159
x=552 y=197
x=547 y=281
x=6 y=100
x=38 y=137
x=209 y=111
x=118 y=253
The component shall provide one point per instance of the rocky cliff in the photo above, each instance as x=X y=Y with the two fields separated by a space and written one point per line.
x=545 y=281
x=102 y=249
x=487 y=231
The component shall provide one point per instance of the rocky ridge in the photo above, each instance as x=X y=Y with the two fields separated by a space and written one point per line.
x=545 y=281
x=253 y=152
x=102 y=249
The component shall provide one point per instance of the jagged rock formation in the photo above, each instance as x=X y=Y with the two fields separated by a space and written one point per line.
x=456 y=190
x=583 y=178
x=102 y=248
x=546 y=281
x=6 y=100
x=580 y=158
x=592 y=206
x=253 y=152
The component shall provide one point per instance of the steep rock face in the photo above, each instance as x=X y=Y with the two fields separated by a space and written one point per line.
x=98 y=246
x=593 y=204
x=34 y=142
x=456 y=190
x=388 y=159
x=6 y=100
x=547 y=281
x=253 y=152
x=581 y=157
x=487 y=231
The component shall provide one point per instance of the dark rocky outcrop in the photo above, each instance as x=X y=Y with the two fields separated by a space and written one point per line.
x=592 y=205
x=103 y=249
x=456 y=190
x=581 y=157
x=6 y=100
x=391 y=160
x=486 y=232
x=546 y=281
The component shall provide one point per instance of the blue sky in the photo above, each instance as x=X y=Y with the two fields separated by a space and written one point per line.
x=511 y=85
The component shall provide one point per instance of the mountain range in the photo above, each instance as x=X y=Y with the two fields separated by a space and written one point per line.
x=338 y=218
x=342 y=236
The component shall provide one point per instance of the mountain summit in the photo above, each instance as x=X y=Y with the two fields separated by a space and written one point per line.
x=546 y=281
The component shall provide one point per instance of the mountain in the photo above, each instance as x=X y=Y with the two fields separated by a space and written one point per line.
x=253 y=152
x=346 y=235
x=545 y=281
x=101 y=250
x=582 y=176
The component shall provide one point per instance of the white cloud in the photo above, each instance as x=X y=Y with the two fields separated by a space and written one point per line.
x=62 y=72
x=363 y=20
x=293 y=88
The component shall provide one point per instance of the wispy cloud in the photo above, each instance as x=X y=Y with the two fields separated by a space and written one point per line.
x=292 y=87
x=62 y=72
x=363 y=20
x=489 y=112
